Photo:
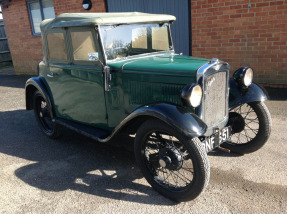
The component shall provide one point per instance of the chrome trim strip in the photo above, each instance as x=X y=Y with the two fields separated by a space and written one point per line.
x=130 y=60
x=203 y=68
x=199 y=80
x=98 y=29
x=171 y=40
x=136 y=57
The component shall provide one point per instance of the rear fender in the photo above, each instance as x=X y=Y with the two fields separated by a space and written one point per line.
x=35 y=84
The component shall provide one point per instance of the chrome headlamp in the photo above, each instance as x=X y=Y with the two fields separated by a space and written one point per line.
x=244 y=76
x=191 y=95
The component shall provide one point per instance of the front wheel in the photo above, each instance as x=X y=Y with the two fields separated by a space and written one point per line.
x=251 y=127
x=175 y=166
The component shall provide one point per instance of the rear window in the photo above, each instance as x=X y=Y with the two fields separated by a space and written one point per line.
x=56 y=46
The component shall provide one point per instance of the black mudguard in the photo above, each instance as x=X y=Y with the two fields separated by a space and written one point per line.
x=33 y=84
x=239 y=95
x=177 y=117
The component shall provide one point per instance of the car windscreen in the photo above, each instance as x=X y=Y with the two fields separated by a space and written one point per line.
x=127 y=40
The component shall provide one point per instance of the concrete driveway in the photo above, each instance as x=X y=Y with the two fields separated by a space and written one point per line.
x=77 y=175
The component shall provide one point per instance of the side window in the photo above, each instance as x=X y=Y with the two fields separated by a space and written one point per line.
x=56 y=47
x=83 y=45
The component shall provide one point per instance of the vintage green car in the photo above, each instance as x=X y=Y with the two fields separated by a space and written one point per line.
x=107 y=75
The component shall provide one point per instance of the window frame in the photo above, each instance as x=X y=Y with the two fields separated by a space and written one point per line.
x=138 y=51
x=28 y=2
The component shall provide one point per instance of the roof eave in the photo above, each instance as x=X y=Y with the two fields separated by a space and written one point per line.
x=73 y=20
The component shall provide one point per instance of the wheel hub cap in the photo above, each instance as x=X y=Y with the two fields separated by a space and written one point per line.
x=170 y=158
x=236 y=121
x=164 y=161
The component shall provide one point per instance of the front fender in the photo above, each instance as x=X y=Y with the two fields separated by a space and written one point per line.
x=33 y=84
x=177 y=117
x=238 y=96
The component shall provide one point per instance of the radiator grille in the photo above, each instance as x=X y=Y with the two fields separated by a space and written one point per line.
x=214 y=98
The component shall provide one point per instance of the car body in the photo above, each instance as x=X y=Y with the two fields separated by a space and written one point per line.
x=105 y=74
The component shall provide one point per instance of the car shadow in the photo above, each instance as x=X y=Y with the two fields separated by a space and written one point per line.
x=220 y=153
x=14 y=81
x=278 y=94
x=73 y=162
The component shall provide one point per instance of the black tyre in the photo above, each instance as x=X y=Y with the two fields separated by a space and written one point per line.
x=251 y=126
x=175 y=166
x=44 y=115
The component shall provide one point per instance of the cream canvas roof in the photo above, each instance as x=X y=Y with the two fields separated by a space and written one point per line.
x=88 y=19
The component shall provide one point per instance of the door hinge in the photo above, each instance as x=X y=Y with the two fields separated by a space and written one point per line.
x=108 y=78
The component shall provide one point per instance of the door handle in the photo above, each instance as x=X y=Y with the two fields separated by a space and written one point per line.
x=50 y=74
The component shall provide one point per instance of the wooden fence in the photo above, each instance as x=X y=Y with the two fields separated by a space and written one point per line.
x=4 y=46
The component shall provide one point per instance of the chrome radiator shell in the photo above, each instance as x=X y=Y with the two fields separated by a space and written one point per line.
x=214 y=79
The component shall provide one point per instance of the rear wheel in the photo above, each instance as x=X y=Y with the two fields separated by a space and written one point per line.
x=251 y=127
x=175 y=166
x=43 y=113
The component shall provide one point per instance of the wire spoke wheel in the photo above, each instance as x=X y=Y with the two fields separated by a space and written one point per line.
x=168 y=160
x=251 y=126
x=175 y=166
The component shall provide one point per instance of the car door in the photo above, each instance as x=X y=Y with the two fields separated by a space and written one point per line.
x=76 y=83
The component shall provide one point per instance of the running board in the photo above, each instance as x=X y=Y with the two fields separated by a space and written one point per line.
x=89 y=131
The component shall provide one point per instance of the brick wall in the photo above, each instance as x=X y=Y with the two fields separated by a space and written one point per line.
x=75 y=6
x=26 y=50
x=256 y=36
x=226 y=29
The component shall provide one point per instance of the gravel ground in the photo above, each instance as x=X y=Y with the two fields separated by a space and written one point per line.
x=77 y=175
